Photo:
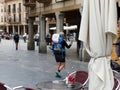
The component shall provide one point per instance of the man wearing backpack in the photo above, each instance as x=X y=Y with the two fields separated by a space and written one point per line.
x=59 y=52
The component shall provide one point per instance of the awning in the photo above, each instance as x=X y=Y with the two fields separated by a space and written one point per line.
x=1 y=30
x=73 y=27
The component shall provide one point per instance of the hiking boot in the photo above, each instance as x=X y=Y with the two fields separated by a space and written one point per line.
x=57 y=74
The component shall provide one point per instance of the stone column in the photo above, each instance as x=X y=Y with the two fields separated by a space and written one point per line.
x=42 y=43
x=59 y=21
x=31 y=43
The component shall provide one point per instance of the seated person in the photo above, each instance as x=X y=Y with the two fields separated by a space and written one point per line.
x=115 y=54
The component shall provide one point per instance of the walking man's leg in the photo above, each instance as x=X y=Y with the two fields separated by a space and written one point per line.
x=16 y=45
x=62 y=65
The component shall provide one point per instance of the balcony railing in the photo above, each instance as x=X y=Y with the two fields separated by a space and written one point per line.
x=44 y=1
x=9 y=20
x=29 y=2
x=13 y=22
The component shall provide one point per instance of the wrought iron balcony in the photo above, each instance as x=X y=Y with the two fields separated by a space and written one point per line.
x=44 y=1
x=29 y=3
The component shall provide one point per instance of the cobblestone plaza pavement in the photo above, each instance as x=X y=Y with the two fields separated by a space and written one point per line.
x=27 y=68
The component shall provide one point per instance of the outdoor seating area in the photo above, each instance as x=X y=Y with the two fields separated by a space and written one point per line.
x=77 y=80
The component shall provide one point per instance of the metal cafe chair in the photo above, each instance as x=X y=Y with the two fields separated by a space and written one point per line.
x=116 y=74
x=116 y=84
x=79 y=77
x=6 y=87
x=116 y=81
x=82 y=78
x=22 y=88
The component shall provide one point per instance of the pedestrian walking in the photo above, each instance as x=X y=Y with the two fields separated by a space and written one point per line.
x=25 y=37
x=16 y=39
x=37 y=39
x=59 y=52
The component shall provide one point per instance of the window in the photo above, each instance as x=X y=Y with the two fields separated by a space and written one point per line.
x=4 y=9
x=1 y=10
x=9 y=8
x=19 y=7
x=2 y=19
x=19 y=17
x=14 y=8
x=14 y=18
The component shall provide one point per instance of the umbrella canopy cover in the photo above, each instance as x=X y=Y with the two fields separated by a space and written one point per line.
x=97 y=31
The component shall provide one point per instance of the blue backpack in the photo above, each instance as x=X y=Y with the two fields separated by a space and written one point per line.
x=57 y=45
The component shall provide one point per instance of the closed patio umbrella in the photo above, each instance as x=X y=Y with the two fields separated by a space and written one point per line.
x=97 y=31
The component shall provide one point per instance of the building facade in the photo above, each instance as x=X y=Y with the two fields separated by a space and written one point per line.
x=13 y=17
x=2 y=17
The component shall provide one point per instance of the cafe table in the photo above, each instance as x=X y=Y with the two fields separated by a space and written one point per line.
x=57 y=85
